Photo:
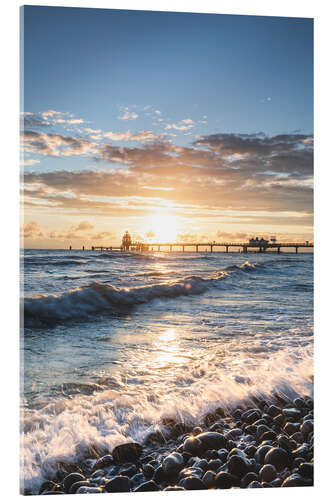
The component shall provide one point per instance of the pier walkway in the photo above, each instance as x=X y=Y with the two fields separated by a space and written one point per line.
x=179 y=246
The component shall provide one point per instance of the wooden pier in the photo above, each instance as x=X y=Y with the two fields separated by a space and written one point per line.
x=179 y=246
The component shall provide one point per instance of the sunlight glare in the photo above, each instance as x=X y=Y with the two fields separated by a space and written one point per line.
x=161 y=227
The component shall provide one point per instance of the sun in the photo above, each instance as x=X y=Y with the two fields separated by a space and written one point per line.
x=161 y=227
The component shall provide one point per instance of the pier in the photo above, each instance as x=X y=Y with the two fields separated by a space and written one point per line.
x=244 y=247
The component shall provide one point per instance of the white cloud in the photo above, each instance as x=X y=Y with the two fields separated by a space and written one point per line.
x=185 y=124
x=29 y=162
x=128 y=115
x=141 y=136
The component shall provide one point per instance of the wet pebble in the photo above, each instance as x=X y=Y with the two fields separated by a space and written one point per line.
x=248 y=478
x=172 y=464
x=128 y=452
x=301 y=451
x=267 y=473
x=223 y=480
x=296 y=480
x=250 y=416
x=191 y=471
x=148 y=470
x=192 y=483
x=147 y=486
x=306 y=427
x=261 y=452
x=273 y=411
x=214 y=464
x=119 y=484
x=292 y=413
x=193 y=445
x=277 y=457
x=75 y=477
x=88 y=489
x=255 y=484
x=211 y=440
x=290 y=428
x=137 y=479
x=75 y=486
x=238 y=466
x=50 y=486
x=209 y=479
x=306 y=469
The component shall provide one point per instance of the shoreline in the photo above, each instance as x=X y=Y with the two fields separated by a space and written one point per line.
x=268 y=443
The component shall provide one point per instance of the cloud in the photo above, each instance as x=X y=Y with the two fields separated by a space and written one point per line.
x=29 y=162
x=141 y=136
x=32 y=230
x=82 y=226
x=219 y=172
x=48 y=118
x=128 y=115
x=185 y=124
x=56 y=144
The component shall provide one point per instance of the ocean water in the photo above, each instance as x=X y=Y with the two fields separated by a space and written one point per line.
x=113 y=342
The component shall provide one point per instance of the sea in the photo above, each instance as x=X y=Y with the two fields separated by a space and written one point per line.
x=112 y=342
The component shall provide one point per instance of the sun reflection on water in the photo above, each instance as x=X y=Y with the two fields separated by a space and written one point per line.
x=167 y=349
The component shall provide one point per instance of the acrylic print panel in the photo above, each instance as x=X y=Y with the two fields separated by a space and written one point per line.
x=167 y=341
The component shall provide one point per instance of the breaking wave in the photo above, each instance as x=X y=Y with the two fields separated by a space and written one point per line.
x=100 y=297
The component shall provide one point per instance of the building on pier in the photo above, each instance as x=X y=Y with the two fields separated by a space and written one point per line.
x=256 y=242
x=126 y=242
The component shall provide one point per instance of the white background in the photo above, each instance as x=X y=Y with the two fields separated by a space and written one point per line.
x=322 y=11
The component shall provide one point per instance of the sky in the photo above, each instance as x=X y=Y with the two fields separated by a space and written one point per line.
x=175 y=127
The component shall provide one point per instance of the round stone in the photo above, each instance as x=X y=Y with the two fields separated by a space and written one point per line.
x=251 y=416
x=211 y=440
x=209 y=479
x=291 y=413
x=191 y=471
x=306 y=427
x=273 y=411
x=306 y=469
x=267 y=473
x=203 y=464
x=277 y=457
x=248 y=478
x=238 y=466
x=261 y=453
x=137 y=479
x=268 y=436
x=255 y=484
x=250 y=450
x=222 y=454
x=301 y=451
x=75 y=477
x=276 y=483
x=192 y=445
x=88 y=489
x=119 y=484
x=128 y=452
x=192 y=483
x=76 y=486
x=147 y=486
x=223 y=480
x=148 y=470
x=213 y=464
x=48 y=486
x=296 y=480
x=173 y=463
